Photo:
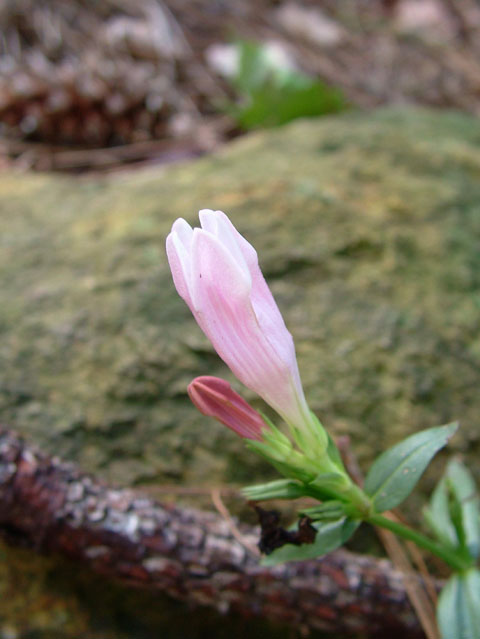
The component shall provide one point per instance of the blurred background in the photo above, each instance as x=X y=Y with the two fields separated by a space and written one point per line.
x=96 y=349
x=160 y=81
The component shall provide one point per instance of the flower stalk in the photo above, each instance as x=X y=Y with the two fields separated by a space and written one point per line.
x=450 y=557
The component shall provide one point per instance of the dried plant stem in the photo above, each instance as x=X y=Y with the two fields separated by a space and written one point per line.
x=419 y=598
x=222 y=509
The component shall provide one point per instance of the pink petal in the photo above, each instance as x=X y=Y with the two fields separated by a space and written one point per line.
x=216 y=270
x=218 y=224
x=224 y=311
x=179 y=243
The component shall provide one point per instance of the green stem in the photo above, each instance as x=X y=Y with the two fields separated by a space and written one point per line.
x=450 y=557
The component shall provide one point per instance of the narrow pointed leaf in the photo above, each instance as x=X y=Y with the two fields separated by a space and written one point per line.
x=458 y=611
x=329 y=537
x=437 y=516
x=463 y=488
x=394 y=474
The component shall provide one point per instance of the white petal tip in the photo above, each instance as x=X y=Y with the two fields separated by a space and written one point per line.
x=180 y=225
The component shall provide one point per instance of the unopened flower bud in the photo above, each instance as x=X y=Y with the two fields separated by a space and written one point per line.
x=216 y=398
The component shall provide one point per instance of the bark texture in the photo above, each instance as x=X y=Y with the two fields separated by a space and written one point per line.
x=53 y=507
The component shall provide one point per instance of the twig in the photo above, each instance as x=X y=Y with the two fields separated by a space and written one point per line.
x=220 y=506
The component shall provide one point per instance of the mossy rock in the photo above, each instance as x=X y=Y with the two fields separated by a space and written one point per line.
x=368 y=231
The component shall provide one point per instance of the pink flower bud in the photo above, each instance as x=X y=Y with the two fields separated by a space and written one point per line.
x=216 y=272
x=216 y=398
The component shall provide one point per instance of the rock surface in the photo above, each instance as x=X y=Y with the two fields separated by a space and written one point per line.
x=368 y=231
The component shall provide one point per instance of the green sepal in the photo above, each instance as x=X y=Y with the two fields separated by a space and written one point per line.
x=329 y=537
x=334 y=454
x=394 y=474
x=311 y=438
x=278 y=443
x=458 y=609
x=328 y=511
x=285 y=465
x=328 y=485
x=322 y=438
x=279 y=489
x=277 y=449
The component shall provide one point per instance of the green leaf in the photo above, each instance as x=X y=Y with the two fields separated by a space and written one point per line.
x=279 y=489
x=437 y=516
x=273 y=105
x=271 y=94
x=329 y=536
x=254 y=67
x=464 y=492
x=394 y=474
x=458 y=611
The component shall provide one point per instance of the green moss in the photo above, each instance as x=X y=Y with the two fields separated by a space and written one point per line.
x=368 y=229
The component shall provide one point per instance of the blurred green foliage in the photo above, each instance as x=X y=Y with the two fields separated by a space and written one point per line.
x=272 y=94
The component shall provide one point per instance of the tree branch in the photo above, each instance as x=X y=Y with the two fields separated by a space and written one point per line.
x=51 y=506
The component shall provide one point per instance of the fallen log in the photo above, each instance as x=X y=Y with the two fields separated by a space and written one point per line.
x=51 y=506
